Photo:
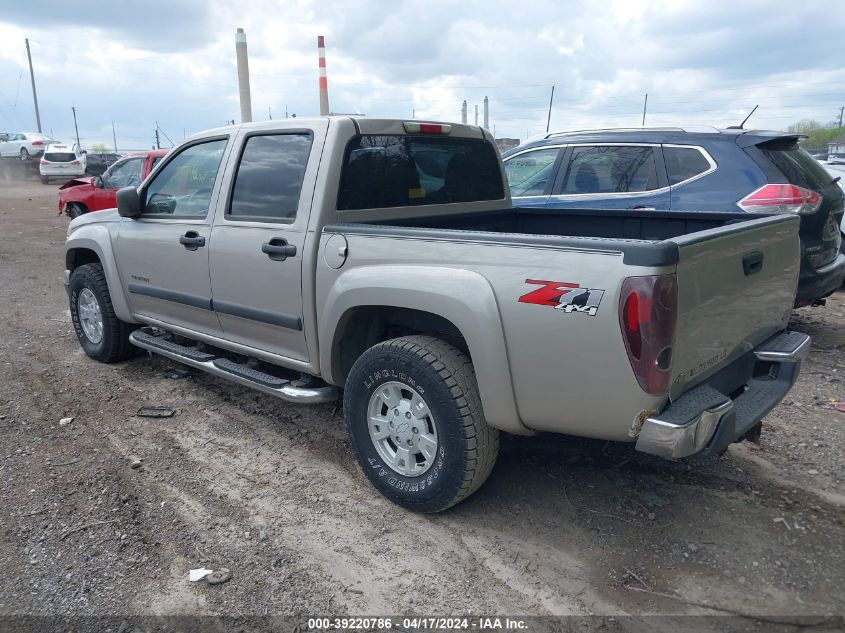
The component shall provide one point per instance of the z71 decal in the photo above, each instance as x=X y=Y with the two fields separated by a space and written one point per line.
x=564 y=296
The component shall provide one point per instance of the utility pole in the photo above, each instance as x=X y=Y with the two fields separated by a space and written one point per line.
x=75 y=126
x=158 y=141
x=114 y=137
x=645 y=105
x=840 y=115
x=476 y=114
x=270 y=112
x=549 y=118
x=34 y=94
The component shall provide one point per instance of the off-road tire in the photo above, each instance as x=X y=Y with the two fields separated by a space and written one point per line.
x=114 y=345
x=74 y=210
x=444 y=376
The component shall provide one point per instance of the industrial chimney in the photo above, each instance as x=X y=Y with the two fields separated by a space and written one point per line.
x=324 y=82
x=486 y=114
x=243 y=76
x=464 y=112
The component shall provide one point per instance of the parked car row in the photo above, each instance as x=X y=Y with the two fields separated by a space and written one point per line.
x=23 y=145
x=707 y=172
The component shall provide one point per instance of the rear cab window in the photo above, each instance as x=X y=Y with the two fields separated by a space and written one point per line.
x=59 y=157
x=383 y=171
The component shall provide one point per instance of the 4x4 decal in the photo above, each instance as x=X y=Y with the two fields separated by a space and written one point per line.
x=565 y=296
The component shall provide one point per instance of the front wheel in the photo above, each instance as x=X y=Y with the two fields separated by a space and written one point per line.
x=101 y=334
x=74 y=210
x=415 y=423
x=24 y=154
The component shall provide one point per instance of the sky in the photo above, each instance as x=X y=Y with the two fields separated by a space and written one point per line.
x=171 y=63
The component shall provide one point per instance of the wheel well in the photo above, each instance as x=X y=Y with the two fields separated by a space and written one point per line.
x=79 y=256
x=361 y=328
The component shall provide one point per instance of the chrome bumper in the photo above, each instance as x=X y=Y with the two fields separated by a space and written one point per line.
x=705 y=421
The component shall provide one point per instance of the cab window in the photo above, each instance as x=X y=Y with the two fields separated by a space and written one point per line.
x=183 y=187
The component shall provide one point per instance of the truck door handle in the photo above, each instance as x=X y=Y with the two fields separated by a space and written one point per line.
x=192 y=240
x=278 y=249
x=752 y=262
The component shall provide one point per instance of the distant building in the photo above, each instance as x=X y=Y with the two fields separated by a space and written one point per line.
x=837 y=147
x=504 y=144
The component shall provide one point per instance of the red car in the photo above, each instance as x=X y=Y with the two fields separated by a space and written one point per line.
x=95 y=193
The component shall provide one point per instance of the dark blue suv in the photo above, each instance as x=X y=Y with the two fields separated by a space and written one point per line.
x=672 y=169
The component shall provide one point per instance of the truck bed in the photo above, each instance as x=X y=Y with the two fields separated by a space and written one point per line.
x=632 y=224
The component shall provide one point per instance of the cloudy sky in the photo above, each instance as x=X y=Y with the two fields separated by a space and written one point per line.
x=173 y=61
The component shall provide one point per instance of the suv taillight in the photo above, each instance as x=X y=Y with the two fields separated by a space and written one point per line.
x=648 y=314
x=781 y=199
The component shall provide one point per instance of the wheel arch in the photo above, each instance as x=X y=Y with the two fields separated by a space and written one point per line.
x=368 y=306
x=95 y=248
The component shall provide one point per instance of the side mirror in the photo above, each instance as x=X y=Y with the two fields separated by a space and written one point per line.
x=97 y=182
x=128 y=202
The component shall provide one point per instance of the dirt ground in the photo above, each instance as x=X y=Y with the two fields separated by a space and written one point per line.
x=271 y=491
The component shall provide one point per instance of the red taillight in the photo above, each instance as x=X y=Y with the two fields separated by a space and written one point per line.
x=37 y=143
x=648 y=309
x=781 y=199
x=74 y=162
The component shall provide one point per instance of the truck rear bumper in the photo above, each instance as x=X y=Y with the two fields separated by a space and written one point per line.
x=705 y=420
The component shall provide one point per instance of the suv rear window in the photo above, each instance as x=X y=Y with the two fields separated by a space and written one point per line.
x=60 y=157
x=683 y=163
x=797 y=165
x=398 y=171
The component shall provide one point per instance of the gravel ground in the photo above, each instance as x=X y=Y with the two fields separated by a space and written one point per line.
x=106 y=514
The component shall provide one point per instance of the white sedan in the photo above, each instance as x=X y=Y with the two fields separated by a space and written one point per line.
x=25 y=145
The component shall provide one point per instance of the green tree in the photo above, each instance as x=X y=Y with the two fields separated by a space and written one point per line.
x=818 y=136
x=99 y=148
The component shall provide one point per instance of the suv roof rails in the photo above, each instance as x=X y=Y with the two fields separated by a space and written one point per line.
x=694 y=128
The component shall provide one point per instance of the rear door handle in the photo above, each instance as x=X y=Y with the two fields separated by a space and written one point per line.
x=752 y=262
x=278 y=249
x=192 y=240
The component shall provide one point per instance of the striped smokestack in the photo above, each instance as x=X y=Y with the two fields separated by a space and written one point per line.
x=324 y=82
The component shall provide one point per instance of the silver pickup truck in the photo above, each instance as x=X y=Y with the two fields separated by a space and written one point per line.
x=383 y=260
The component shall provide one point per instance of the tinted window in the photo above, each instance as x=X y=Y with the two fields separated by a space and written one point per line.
x=683 y=163
x=797 y=165
x=60 y=157
x=270 y=175
x=125 y=174
x=398 y=171
x=610 y=169
x=528 y=174
x=183 y=187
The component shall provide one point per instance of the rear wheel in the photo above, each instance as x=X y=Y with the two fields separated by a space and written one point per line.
x=101 y=334
x=45 y=180
x=415 y=423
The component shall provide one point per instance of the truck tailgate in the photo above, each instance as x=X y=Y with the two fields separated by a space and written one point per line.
x=736 y=285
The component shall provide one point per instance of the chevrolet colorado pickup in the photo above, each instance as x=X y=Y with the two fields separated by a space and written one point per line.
x=384 y=260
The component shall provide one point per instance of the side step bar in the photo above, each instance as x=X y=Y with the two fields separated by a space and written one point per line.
x=224 y=368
